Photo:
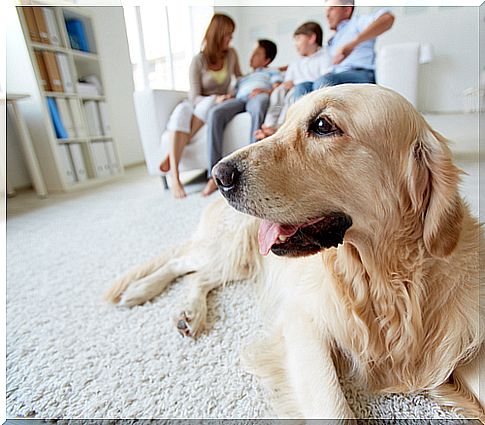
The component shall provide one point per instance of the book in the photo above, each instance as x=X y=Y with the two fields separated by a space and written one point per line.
x=31 y=24
x=92 y=118
x=100 y=159
x=104 y=117
x=77 y=35
x=112 y=158
x=59 y=128
x=41 y=25
x=79 y=127
x=51 y=23
x=66 y=117
x=53 y=73
x=78 y=161
x=65 y=73
x=66 y=164
x=44 y=78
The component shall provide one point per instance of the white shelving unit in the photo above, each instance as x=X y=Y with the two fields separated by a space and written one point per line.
x=50 y=148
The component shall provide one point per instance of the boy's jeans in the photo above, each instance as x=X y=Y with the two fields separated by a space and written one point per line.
x=222 y=113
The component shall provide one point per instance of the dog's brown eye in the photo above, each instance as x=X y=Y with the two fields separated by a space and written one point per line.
x=323 y=127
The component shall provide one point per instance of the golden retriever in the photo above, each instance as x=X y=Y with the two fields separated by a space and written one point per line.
x=370 y=258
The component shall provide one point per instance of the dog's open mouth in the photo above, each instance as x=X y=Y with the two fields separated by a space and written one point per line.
x=303 y=239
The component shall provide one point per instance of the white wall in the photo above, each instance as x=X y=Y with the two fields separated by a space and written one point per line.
x=453 y=31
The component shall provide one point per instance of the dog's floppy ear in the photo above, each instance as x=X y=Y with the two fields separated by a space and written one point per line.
x=433 y=189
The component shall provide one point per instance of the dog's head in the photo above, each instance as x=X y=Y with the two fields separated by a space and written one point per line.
x=355 y=156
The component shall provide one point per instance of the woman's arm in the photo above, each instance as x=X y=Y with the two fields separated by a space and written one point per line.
x=195 y=79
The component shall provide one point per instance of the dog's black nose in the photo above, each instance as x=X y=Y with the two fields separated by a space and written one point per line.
x=226 y=175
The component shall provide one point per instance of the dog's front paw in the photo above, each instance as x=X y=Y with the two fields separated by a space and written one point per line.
x=137 y=293
x=190 y=322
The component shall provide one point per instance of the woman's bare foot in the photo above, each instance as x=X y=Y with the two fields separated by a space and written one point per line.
x=177 y=189
x=165 y=165
x=209 y=188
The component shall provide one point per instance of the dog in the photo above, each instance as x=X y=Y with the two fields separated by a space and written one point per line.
x=368 y=258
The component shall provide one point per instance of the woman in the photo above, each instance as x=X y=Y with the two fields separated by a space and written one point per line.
x=211 y=72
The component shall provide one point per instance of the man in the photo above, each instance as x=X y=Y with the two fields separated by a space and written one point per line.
x=352 y=45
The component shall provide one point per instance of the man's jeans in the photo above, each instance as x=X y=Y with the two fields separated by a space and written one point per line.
x=332 y=79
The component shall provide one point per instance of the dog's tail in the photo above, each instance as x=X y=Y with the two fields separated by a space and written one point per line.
x=114 y=293
x=455 y=395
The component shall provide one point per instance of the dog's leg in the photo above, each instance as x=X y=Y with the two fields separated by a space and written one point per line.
x=311 y=371
x=464 y=391
x=154 y=284
x=137 y=274
x=190 y=317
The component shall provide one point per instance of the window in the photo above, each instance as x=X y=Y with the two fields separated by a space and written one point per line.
x=162 y=41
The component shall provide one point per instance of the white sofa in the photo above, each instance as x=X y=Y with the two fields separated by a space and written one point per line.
x=396 y=68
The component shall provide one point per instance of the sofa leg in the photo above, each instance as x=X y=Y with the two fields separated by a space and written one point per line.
x=164 y=182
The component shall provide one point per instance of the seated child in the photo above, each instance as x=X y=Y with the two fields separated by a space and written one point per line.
x=314 y=61
x=251 y=94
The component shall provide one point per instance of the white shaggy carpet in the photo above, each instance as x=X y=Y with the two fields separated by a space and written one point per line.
x=71 y=356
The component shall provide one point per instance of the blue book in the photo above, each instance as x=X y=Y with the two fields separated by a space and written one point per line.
x=61 y=132
x=77 y=35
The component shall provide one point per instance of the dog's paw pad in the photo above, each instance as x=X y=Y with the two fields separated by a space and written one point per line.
x=185 y=324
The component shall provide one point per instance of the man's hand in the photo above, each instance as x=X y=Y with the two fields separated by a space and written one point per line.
x=255 y=92
x=288 y=85
x=344 y=51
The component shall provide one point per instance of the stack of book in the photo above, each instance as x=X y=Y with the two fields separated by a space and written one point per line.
x=105 y=161
x=66 y=118
x=42 y=25
x=97 y=118
x=55 y=74
x=73 y=164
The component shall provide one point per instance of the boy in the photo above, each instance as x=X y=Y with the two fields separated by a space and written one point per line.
x=252 y=95
x=313 y=63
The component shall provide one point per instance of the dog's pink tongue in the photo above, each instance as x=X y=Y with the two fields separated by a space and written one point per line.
x=270 y=232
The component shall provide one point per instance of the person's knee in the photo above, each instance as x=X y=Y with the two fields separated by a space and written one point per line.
x=300 y=90
x=215 y=114
x=325 y=81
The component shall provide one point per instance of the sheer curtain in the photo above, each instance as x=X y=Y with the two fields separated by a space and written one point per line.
x=162 y=41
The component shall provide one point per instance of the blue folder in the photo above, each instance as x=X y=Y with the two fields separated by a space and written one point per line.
x=61 y=132
x=77 y=35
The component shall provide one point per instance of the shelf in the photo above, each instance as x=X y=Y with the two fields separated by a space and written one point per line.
x=72 y=140
x=79 y=54
x=97 y=138
x=49 y=47
x=76 y=157
x=59 y=94
x=92 y=97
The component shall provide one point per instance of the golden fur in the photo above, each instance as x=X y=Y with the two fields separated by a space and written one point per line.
x=397 y=302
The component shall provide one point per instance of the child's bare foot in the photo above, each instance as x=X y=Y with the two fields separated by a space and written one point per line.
x=259 y=134
x=165 y=165
x=177 y=189
x=264 y=132
x=209 y=188
x=269 y=131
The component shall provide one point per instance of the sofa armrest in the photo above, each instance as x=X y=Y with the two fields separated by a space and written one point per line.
x=153 y=109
